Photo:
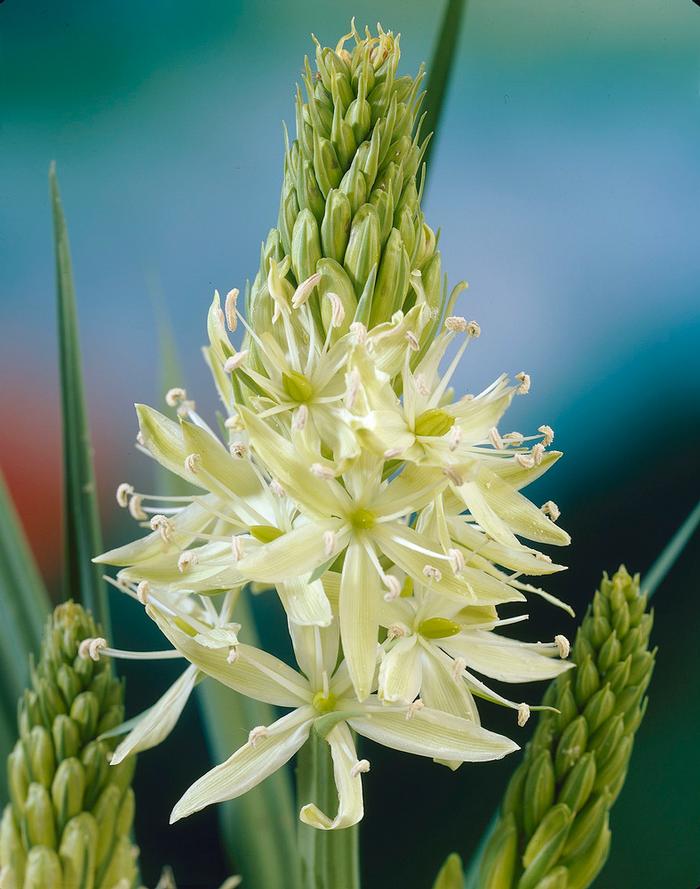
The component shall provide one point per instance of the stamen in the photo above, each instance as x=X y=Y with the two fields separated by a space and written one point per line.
x=237 y=548
x=459 y=665
x=276 y=488
x=393 y=585
x=140 y=440
x=473 y=329
x=304 y=290
x=230 y=309
x=527 y=461
x=453 y=476
x=174 y=396
x=538 y=453
x=91 y=648
x=523 y=714
x=360 y=768
x=422 y=387
x=234 y=422
x=186 y=408
x=456 y=324
x=321 y=471
x=329 y=543
x=135 y=510
x=352 y=387
x=239 y=449
x=256 y=734
x=192 y=463
x=235 y=361
x=390 y=453
x=563 y=645
x=337 y=310
x=396 y=631
x=524 y=386
x=188 y=559
x=514 y=438
x=456 y=558
x=495 y=438
x=414 y=708
x=551 y=509
x=548 y=434
x=301 y=415
x=232 y=656
x=454 y=437
x=359 y=331
x=143 y=591
x=432 y=573
x=124 y=491
x=163 y=525
x=412 y=340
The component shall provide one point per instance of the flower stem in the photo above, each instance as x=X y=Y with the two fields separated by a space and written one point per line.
x=329 y=858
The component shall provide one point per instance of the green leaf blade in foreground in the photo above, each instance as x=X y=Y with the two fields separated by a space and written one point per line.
x=83 y=580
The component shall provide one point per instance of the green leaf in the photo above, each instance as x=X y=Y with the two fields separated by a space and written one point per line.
x=440 y=69
x=658 y=571
x=258 y=830
x=82 y=579
x=24 y=604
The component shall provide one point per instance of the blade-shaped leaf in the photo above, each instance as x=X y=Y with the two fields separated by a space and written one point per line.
x=440 y=69
x=83 y=580
x=24 y=604
x=258 y=829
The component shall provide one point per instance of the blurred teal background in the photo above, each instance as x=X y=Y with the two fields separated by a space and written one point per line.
x=566 y=181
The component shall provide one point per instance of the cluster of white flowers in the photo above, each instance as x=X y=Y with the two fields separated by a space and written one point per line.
x=385 y=512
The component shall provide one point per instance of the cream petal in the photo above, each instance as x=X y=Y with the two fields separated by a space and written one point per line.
x=441 y=691
x=316 y=650
x=400 y=671
x=305 y=603
x=295 y=554
x=234 y=477
x=348 y=784
x=506 y=659
x=159 y=720
x=521 y=560
x=249 y=765
x=360 y=590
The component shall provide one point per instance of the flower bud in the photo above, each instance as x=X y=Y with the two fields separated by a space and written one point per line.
x=587 y=681
x=546 y=845
x=364 y=247
x=451 y=875
x=619 y=676
x=342 y=137
x=538 y=794
x=607 y=738
x=392 y=279
x=78 y=850
x=609 y=653
x=335 y=228
x=43 y=870
x=334 y=279
x=499 y=858
x=586 y=827
x=555 y=879
x=85 y=711
x=308 y=193
x=568 y=711
x=583 y=870
x=383 y=200
x=105 y=811
x=68 y=790
x=12 y=853
x=306 y=246
x=18 y=777
x=39 y=817
x=354 y=185
x=326 y=165
x=359 y=118
x=572 y=744
x=579 y=783
x=599 y=708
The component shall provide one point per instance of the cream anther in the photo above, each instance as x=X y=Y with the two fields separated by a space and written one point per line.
x=143 y=591
x=524 y=386
x=360 y=768
x=230 y=309
x=337 y=310
x=396 y=631
x=237 y=548
x=459 y=665
x=538 y=453
x=352 y=387
x=422 y=387
x=135 y=510
x=301 y=415
x=390 y=453
x=92 y=648
x=523 y=714
x=193 y=462
x=393 y=585
x=174 y=396
x=188 y=559
x=563 y=645
x=456 y=558
x=232 y=656
x=164 y=526
x=547 y=433
x=328 y=543
x=432 y=573
x=235 y=361
x=276 y=488
x=495 y=438
x=514 y=439
x=414 y=708
x=124 y=491
x=551 y=509
x=527 y=461
x=359 y=331
x=473 y=329
x=456 y=324
x=453 y=475
x=412 y=341
x=234 y=422
x=454 y=437
x=257 y=734
x=304 y=290
x=238 y=449
x=321 y=471
x=140 y=440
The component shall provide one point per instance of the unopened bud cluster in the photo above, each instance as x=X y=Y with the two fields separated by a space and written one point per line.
x=553 y=831
x=350 y=208
x=70 y=814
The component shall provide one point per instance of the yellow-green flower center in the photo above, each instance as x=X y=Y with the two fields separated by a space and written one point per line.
x=323 y=703
x=363 y=519
x=438 y=628
x=434 y=422
x=297 y=386
x=265 y=533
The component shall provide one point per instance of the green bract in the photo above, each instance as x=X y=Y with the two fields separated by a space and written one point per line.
x=69 y=817
x=553 y=830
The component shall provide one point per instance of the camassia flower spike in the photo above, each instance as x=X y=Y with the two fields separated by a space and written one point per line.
x=385 y=510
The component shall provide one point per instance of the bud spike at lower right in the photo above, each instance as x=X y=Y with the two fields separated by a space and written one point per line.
x=553 y=827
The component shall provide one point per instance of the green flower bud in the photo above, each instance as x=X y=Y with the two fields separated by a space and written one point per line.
x=326 y=165
x=587 y=681
x=583 y=870
x=364 y=247
x=543 y=850
x=609 y=653
x=587 y=827
x=451 y=875
x=65 y=734
x=40 y=755
x=50 y=700
x=342 y=137
x=619 y=676
x=354 y=185
x=499 y=858
x=334 y=279
x=105 y=811
x=43 y=870
x=78 y=850
x=121 y=866
x=306 y=246
x=566 y=705
x=39 y=821
x=572 y=744
x=12 y=852
x=308 y=192
x=538 y=794
x=18 y=777
x=68 y=790
x=599 y=708
x=555 y=879
x=335 y=228
x=579 y=783
x=607 y=738
x=599 y=631
x=383 y=200
x=392 y=280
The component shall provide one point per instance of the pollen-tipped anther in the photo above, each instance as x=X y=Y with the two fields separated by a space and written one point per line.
x=188 y=559
x=164 y=526
x=414 y=708
x=235 y=361
x=523 y=714
x=432 y=573
x=459 y=665
x=495 y=438
x=192 y=463
x=143 y=592
x=257 y=734
x=360 y=768
x=525 y=382
x=230 y=309
x=174 y=396
x=547 y=434
x=124 y=492
x=91 y=648
x=551 y=509
x=563 y=645
x=328 y=543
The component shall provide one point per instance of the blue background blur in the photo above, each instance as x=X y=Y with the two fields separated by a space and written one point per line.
x=566 y=181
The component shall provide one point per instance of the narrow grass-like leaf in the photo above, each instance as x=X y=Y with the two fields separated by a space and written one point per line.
x=663 y=564
x=258 y=830
x=82 y=579
x=24 y=604
x=440 y=69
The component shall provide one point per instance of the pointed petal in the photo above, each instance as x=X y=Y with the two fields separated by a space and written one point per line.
x=159 y=720
x=254 y=673
x=518 y=476
x=295 y=554
x=432 y=733
x=163 y=439
x=410 y=491
x=441 y=691
x=400 y=671
x=473 y=498
x=315 y=650
x=360 y=590
x=506 y=659
x=521 y=560
x=249 y=765
x=232 y=476
x=305 y=603
x=348 y=785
